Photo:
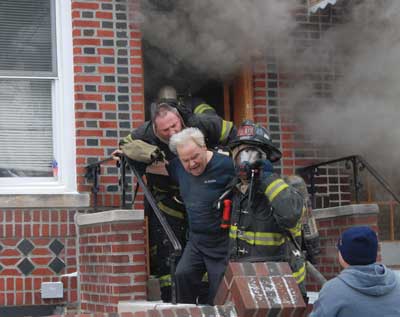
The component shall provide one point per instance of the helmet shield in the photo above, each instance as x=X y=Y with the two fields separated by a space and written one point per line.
x=257 y=136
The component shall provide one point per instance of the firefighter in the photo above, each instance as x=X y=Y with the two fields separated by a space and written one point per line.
x=168 y=118
x=266 y=211
x=195 y=104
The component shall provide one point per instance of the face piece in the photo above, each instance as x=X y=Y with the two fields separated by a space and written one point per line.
x=245 y=157
x=249 y=155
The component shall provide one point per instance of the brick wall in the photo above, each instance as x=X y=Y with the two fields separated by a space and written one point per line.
x=112 y=259
x=108 y=85
x=36 y=246
x=276 y=80
x=331 y=223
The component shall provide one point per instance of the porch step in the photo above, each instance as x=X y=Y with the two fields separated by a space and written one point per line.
x=146 y=308
x=143 y=306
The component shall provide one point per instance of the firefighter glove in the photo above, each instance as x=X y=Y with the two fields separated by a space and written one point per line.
x=141 y=151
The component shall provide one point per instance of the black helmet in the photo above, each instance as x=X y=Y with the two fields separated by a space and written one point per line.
x=254 y=134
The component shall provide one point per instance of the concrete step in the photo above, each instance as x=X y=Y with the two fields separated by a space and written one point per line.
x=143 y=306
x=158 y=308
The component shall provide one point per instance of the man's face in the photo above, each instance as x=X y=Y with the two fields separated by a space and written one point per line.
x=193 y=158
x=168 y=125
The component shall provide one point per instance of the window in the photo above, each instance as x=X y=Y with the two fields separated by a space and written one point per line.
x=37 y=153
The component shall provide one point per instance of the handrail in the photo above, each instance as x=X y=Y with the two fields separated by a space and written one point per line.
x=379 y=178
x=92 y=172
x=358 y=163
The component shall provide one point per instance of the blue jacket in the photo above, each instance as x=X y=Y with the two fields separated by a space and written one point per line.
x=363 y=290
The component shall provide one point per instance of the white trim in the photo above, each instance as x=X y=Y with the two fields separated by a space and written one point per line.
x=63 y=119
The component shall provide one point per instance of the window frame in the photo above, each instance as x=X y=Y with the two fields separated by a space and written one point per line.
x=64 y=146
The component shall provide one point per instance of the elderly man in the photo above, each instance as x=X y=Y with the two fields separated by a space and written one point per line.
x=168 y=118
x=203 y=177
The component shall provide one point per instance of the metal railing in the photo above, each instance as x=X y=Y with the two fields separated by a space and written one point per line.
x=92 y=173
x=357 y=163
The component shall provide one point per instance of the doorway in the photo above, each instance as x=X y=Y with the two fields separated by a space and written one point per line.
x=161 y=69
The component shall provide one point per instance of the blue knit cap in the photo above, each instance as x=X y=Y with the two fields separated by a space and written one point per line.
x=358 y=246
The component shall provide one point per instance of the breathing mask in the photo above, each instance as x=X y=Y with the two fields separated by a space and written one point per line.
x=247 y=161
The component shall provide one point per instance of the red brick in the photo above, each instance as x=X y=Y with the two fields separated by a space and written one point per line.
x=105 y=33
x=89 y=97
x=83 y=42
x=105 y=51
x=85 y=24
x=87 y=59
x=98 y=133
x=106 y=69
x=104 y=15
x=85 y=5
x=87 y=79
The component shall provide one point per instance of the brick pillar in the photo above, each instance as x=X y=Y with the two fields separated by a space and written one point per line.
x=112 y=259
x=331 y=223
x=261 y=289
x=108 y=87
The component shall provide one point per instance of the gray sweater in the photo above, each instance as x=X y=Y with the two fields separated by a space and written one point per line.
x=363 y=290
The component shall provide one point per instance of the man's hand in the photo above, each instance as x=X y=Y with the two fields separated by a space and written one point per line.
x=116 y=155
x=265 y=166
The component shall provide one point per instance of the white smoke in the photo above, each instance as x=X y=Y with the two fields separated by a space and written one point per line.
x=363 y=115
x=215 y=36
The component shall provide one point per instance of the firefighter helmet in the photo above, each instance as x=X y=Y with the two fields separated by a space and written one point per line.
x=256 y=135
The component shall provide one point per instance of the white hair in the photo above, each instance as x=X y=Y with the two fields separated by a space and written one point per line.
x=188 y=134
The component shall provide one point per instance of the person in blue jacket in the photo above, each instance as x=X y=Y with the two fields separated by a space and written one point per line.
x=363 y=288
x=203 y=176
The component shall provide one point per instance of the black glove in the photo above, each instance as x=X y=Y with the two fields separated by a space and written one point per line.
x=265 y=166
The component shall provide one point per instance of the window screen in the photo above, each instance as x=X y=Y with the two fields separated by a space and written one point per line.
x=27 y=74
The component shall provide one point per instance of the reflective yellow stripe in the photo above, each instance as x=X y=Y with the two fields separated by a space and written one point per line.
x=225 y=130
x=257 y=238
x=296 y=231
x=127 y=139
x=275 y=188
x=300 y=275
x=205 y=277
x=165 y=280
x=202 y=108
x=170 y=211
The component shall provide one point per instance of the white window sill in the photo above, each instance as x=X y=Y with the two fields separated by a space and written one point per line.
x=75 y=200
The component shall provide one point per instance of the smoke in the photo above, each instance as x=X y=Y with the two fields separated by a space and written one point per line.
x=348 y=102
x=214 y=36
x=362 y=115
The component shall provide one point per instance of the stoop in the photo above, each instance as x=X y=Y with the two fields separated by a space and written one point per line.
x=261 y=289
x=161 y=309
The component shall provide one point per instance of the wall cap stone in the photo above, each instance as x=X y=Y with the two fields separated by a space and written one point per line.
x=75 y=200
x=347 y=210
x=117 y=215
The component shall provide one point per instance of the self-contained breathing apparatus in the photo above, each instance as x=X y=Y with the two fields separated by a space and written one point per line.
x=253 y=152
